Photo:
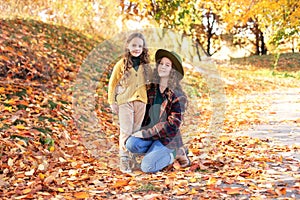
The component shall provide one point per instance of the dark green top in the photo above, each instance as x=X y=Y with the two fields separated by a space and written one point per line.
x=154 y=111
x=136 y=61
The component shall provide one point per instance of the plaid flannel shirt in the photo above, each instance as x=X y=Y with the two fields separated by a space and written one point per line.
x=171 y=111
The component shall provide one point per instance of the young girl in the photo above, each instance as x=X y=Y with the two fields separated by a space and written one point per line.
x=127 y=92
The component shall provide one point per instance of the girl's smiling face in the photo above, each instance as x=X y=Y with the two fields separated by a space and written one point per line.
x=164 y=67
x=135 y=46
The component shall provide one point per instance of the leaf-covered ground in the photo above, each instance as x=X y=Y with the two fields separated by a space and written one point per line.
x=43 y=154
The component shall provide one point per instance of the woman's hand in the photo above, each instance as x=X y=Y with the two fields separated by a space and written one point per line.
x=138 y=134
x=114 y=108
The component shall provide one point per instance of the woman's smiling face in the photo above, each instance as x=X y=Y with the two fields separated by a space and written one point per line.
x=135 y=46
x=164 y=67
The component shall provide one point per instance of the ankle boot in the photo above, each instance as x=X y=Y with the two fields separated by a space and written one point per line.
x=182 y=157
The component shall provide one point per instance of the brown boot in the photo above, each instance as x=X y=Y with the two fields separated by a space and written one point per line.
x=182 y=157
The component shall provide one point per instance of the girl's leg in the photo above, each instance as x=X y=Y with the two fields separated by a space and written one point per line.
x=157 y=157
x=126 y=127
x=138 y=145
x=126 y=120
x=139 y=109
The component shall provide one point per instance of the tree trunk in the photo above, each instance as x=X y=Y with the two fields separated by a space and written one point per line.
x=262 y=44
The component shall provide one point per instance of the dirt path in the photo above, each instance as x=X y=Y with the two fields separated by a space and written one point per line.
x=282 y=129
x=282 y=116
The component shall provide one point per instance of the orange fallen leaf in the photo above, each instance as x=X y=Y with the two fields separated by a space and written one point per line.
x=120 y=183
x=176 y=165
x=81 y=195
x=4 y=58
x=26 y=191
x=232 y=191
x=280 y=191
x=194 y=167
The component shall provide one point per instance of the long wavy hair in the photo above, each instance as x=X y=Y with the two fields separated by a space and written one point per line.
x=144 y=59
x=173 y=82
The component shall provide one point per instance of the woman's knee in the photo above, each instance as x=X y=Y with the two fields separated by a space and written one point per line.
x=156 y=161
x=131 y=144
x=148 y=167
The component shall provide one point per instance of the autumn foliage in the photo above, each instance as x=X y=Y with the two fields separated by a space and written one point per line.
x=44 y=156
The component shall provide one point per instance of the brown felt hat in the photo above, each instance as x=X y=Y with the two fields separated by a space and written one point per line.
x=174 y=57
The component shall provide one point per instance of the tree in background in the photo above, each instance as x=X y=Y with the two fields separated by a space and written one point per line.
x=260 y=23
x=265 y=24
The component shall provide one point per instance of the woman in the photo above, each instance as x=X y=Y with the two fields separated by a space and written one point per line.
x=160 y=137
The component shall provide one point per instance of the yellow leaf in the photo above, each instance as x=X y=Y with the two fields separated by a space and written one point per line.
x=211 y=181
x=41 y=176
x=193 y=180
x=20 y=126
x=9 y=109
x=11 y=102
x=60 y=189
x=52 y=149
x=26 y=191
x=81 y=195
x=2 y=89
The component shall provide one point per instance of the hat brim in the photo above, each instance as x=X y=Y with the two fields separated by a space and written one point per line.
x=175 y=62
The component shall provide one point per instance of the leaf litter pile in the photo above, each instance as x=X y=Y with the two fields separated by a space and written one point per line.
x=43 y=154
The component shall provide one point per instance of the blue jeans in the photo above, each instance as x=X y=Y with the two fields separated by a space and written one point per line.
x=157 y=156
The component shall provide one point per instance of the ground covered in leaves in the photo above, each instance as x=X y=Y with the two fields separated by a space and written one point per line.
x=44 y=156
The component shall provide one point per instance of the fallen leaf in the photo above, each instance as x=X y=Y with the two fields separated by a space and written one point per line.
x=10 y=162
x=41 y=167
x=26 y=191
x=232 y=191
x=30 y=173
x=211 y=181
x=49 y=179
x=81 y=195
x=120 y=183
x=280 y=191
